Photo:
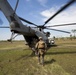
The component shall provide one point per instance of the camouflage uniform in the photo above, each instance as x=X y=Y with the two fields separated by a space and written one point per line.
x=41 y=46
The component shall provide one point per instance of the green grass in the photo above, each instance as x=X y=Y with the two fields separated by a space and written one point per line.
x=17 y=59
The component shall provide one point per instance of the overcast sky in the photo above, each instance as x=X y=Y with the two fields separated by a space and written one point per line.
x=38 y=11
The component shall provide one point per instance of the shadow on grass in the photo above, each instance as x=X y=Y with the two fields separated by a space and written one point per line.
x=52 y=53
x=22 y=57
x=50 y=62
x=31 y=55
x=25 y=56
x=52 y=46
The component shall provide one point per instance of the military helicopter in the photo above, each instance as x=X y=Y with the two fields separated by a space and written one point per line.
x=30 y=34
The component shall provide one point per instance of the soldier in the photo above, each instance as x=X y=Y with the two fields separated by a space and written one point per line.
x=41 y=46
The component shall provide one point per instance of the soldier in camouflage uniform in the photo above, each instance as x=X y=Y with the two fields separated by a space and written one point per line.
x=41 y=46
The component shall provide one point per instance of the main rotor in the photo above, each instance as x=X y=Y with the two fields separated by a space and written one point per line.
x=41 y=27
x=46 y=22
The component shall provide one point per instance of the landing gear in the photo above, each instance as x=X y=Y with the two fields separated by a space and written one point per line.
x=12 y=37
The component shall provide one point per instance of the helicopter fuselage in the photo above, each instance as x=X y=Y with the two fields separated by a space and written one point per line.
x=17 y=26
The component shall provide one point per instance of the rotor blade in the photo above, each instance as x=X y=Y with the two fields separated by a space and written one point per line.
x=16 y=5
x=58 y=30
x=69 y=24
x=27 y=21
x=64 y=7
x=1 y=22
x=4 y=27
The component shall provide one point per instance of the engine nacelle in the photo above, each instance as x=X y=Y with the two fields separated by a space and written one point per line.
x=14 y=24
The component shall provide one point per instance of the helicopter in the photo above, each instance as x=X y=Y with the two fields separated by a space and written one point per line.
x=30 y=34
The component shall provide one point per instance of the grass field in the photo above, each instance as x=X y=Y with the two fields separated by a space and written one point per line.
x=17 y=59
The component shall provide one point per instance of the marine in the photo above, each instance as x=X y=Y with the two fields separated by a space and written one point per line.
x=41 y=47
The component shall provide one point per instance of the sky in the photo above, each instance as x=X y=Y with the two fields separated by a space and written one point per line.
x=38 y=11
